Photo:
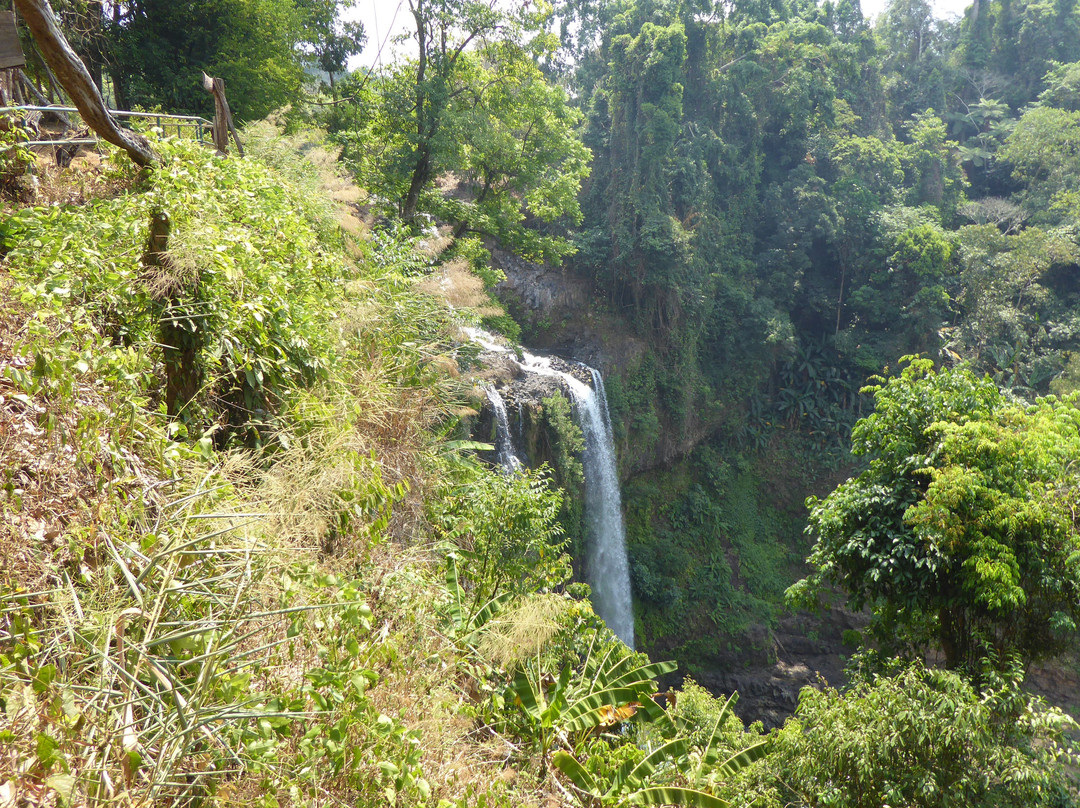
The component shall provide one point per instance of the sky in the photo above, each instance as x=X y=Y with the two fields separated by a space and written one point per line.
x=383 y=19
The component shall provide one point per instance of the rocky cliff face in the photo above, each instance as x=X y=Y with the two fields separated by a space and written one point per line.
x=557 y=311
x=555 y=308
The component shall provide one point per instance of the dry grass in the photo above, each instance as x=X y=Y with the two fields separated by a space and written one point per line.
x=456 y=285
x=423 y=683
x=372 y=431
x=320 y=170
x=90 y=176
x=521 y=632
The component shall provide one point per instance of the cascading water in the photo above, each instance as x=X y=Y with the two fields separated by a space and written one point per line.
x=607 y=563
x=504 y=444
x=608 y=566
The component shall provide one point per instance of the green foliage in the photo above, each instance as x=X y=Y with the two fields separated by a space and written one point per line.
x=249 y=254
x=1044 y=150
x=153 y=52
x=962 y=528
x=180 y=630
x=485 y=120
x=651 y=778
x=707 y=556
x=574 y=703
x=920 y=737
x=565 y=444
x=15 y=160
x=505 y=528
x=517 y=155
x=466 y=622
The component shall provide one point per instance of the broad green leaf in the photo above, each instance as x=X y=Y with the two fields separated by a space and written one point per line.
x=671 y=795
x=576 y=773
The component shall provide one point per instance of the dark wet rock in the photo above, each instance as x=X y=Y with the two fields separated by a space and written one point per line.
x=803 y=650
x=546 y=291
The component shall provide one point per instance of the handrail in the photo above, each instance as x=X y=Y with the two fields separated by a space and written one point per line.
x=128 y=113
x=198 y=123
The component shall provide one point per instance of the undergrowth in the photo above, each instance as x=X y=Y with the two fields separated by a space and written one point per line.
x=230 y=598
x=170 y=629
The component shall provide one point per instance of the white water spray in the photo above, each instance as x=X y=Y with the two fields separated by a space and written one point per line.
x=504 y=444
x=607 y=563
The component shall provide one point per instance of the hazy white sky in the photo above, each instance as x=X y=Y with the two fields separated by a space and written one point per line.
x=385 y=18
x=382 y=19
x=942 y=8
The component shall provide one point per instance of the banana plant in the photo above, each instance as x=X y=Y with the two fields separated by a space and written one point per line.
x=708 y=768
x=632 y=783
x=605 y=692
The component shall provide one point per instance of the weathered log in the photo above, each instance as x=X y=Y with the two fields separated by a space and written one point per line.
x=75 y=79
x=223 y=121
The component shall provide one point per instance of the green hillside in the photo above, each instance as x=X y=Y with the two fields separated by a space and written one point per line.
x=255 y=551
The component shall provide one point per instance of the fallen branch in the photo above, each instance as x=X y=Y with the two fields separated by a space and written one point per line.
x=43 y=101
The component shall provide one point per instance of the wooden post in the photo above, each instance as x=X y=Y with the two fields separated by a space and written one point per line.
x=223 y=122
x=74 y=78
x=179 y=333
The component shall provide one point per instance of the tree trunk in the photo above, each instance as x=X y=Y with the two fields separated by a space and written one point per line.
x=179 y=333
x=422 y=163
x=420 y=176
x=74 y=78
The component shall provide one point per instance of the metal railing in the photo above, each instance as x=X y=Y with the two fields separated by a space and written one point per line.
x=161 y=119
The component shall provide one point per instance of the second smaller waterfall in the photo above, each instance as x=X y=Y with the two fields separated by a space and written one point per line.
x=504 y=444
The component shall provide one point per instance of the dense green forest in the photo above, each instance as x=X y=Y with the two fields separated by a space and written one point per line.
x=254 y=551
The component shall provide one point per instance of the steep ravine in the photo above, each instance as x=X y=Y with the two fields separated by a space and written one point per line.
x=771 y=659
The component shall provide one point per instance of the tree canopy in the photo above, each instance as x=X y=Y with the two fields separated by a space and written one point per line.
x=962 y=533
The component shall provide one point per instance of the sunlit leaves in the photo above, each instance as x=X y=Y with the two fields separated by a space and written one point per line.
x=963 y=527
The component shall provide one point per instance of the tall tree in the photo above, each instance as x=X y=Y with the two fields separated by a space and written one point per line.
x=328 y=40
x=963 y=532
x=443 y=31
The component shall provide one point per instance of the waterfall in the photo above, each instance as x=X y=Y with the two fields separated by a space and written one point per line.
x=608 y=566
x=607 y=563
x=504 y=444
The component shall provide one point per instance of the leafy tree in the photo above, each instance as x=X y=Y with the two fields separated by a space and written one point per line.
x=505 y=529
x=916 y=57
x=327 y=39
x=157 y=49
x=443 y=32
x=161 y=48
x=515 y=150
x=962 y=531
x=476 y=112
x=1044 y=150
x=920 y=738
